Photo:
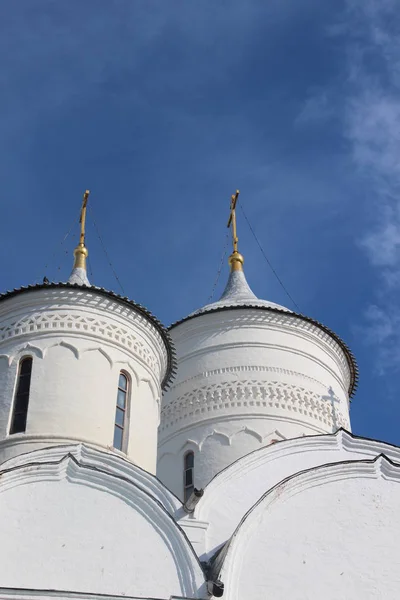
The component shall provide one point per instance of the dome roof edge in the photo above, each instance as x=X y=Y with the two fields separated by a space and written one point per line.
x=352 y=363
x=162 y=330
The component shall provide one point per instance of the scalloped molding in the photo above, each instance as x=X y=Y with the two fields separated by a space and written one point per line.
x=269 y=438
x=86 y=325
x=154 y=384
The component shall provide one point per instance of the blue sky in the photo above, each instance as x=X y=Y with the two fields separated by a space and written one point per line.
x=162 y=109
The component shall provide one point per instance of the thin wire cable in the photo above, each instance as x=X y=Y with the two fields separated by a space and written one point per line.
x=90 y=270
x=105 y=251
x=268 y=261
x=56 y=248
x=220 y=269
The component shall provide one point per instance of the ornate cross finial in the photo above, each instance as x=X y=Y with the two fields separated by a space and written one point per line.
x=235 y=260
x=82 y=219
x=232 y=219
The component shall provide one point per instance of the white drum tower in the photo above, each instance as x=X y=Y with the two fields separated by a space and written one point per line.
x=250 y=373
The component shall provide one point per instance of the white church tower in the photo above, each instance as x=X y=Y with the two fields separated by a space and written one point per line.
x=84 y=363
x=250 y=373
x=293 y=505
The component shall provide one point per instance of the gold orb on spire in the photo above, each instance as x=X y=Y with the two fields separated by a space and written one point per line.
x=236 y=261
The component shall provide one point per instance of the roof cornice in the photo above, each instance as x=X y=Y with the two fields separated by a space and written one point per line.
x=352 y=363
x=171 y=356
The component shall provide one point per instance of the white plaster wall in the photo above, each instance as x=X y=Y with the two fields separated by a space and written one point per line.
x=217 y=444
x=232 y=493
x=330 y=533
x=246 y=377
x=80 y=341
x=70 y=528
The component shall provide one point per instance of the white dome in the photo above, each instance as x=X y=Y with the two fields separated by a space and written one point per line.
x=78 y=276
x=238 y=293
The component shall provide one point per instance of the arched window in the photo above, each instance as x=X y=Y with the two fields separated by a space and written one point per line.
x=120 y=424
x=188 y=475
x=21 y=400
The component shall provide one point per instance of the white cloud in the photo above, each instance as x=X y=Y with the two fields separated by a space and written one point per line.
x=372 y=126
x=383 y=244
x=381 y=333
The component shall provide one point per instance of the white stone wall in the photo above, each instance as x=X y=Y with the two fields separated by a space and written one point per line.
x=68 y=527
x=331 y=532
x=247 y=377
x=234 y=491
x=80 y=341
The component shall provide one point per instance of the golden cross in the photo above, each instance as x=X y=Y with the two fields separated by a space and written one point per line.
x=82 y=219
x=232 y=220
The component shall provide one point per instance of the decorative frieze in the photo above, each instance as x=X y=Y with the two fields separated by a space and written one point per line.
x=276 y=319
x=92 y=326
x=251 y=396
x=247 y=369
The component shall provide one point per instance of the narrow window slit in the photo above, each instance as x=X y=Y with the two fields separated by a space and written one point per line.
x=188 y=475
x=120 y=422
x=21 y=401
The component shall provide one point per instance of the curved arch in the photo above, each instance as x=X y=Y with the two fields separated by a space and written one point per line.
x=189 y=571
x=62 y=344
x=273 y=437
x=39 y=352
x=191 y=443
x=129 y=368
x=217 y=435
x=247 y=431
x=231 y=563
x=88 y=456
x=102 y=351
x=263 y=468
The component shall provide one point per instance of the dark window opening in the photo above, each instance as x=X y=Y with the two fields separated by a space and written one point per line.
x=21 y=401
x=188 y=475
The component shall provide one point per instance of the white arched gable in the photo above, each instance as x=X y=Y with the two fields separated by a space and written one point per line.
x=238 y=487
x=109 y=461
x=329 y=532
x=79 y=528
